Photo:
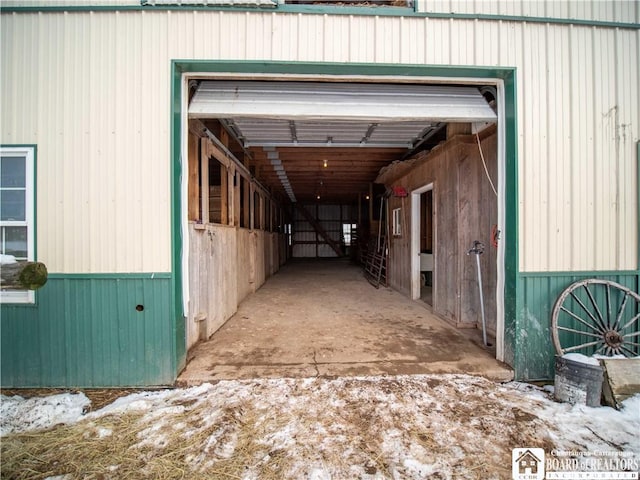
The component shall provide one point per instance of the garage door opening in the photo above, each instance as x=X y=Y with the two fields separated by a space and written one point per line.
x=294 y=170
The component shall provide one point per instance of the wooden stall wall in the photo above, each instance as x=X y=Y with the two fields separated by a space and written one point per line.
x=213 y=280
x=464 y=209
x=234 y=243
x=226 y=265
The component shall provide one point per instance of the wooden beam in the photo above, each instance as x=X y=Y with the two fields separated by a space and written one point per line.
x=247 y=203
x=224 y=195
x=235 y=185
x=204 y=179
x=252 y=205
x=223 y=136
x=226 y=198
x=370 y=204
x=318 y=228
x=454 y=129
x=193 y=179
x=218 y=154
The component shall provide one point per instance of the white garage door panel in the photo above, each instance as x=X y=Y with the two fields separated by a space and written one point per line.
x=366 y=102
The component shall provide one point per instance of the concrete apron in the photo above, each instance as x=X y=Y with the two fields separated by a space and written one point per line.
x=322 y=318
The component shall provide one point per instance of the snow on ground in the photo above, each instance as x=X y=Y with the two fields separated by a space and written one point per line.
x=18 y=414
x=404 y=427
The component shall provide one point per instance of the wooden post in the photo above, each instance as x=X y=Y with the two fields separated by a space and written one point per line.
x=224 y=137
x=224 y=195
x=204 y=179
x=454 y=129
x=247 y=203
x=252 y=209
x=23 y=275
x=226 y=186
x=370 y=205
x=258 y=219
x=234 y=200
x=194 y=185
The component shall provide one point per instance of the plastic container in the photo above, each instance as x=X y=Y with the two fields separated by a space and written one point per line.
x=578 y=382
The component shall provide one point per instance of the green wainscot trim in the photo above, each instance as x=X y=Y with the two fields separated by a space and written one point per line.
x=534 y=351
x=91 y=331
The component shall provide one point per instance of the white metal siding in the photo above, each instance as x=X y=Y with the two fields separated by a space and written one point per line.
x=67 y=3
x=92 y=90
x=73 y=85
x=601 y=10
x=332 y=101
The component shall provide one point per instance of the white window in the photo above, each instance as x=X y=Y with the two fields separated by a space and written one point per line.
x=397 y=222
x=348 y=230
x=17 y=211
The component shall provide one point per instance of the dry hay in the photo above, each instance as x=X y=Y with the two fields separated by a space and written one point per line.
x=348 y=428
x=115 y=446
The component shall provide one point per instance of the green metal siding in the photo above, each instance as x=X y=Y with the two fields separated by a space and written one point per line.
x=534 y=352
x=85 y=331
x=510 y=235
x=178 y=324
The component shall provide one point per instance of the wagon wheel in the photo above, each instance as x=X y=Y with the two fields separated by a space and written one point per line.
x=597 y=317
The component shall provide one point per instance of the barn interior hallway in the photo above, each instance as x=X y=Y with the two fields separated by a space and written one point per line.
x=322 y=318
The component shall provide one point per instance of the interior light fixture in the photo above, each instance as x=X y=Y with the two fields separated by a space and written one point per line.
x=318 y=197
x=325 y=164
x=366 y=197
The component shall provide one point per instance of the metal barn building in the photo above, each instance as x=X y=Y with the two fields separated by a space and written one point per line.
x=164 y=158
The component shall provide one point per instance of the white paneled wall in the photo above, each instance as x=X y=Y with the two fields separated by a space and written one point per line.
x=92 y=90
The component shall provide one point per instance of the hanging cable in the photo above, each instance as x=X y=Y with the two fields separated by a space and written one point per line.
x=486 y=171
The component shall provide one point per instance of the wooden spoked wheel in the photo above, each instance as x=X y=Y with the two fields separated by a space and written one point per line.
x=597 y=317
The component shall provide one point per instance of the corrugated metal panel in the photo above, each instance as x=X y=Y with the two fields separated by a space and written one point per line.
x=325 y=251
x=328 y=212
x=101 y=119
x=348 y=213
x=335 y=101
x=304 y=251
x=534 y=350
x=226 y=3
x=103 y=163
x=67 y=3
x=577 y=177
x=87 y=332
x=272 y=132
x=601 y=10
x=304 y=236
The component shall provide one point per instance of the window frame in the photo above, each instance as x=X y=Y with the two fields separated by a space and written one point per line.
x=397 y=222
x=29 y=153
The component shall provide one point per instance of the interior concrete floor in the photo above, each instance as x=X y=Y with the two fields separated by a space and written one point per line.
x=322 y=318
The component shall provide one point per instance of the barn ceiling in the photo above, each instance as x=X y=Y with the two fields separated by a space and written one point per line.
x=326 y=142
x=335 y=175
